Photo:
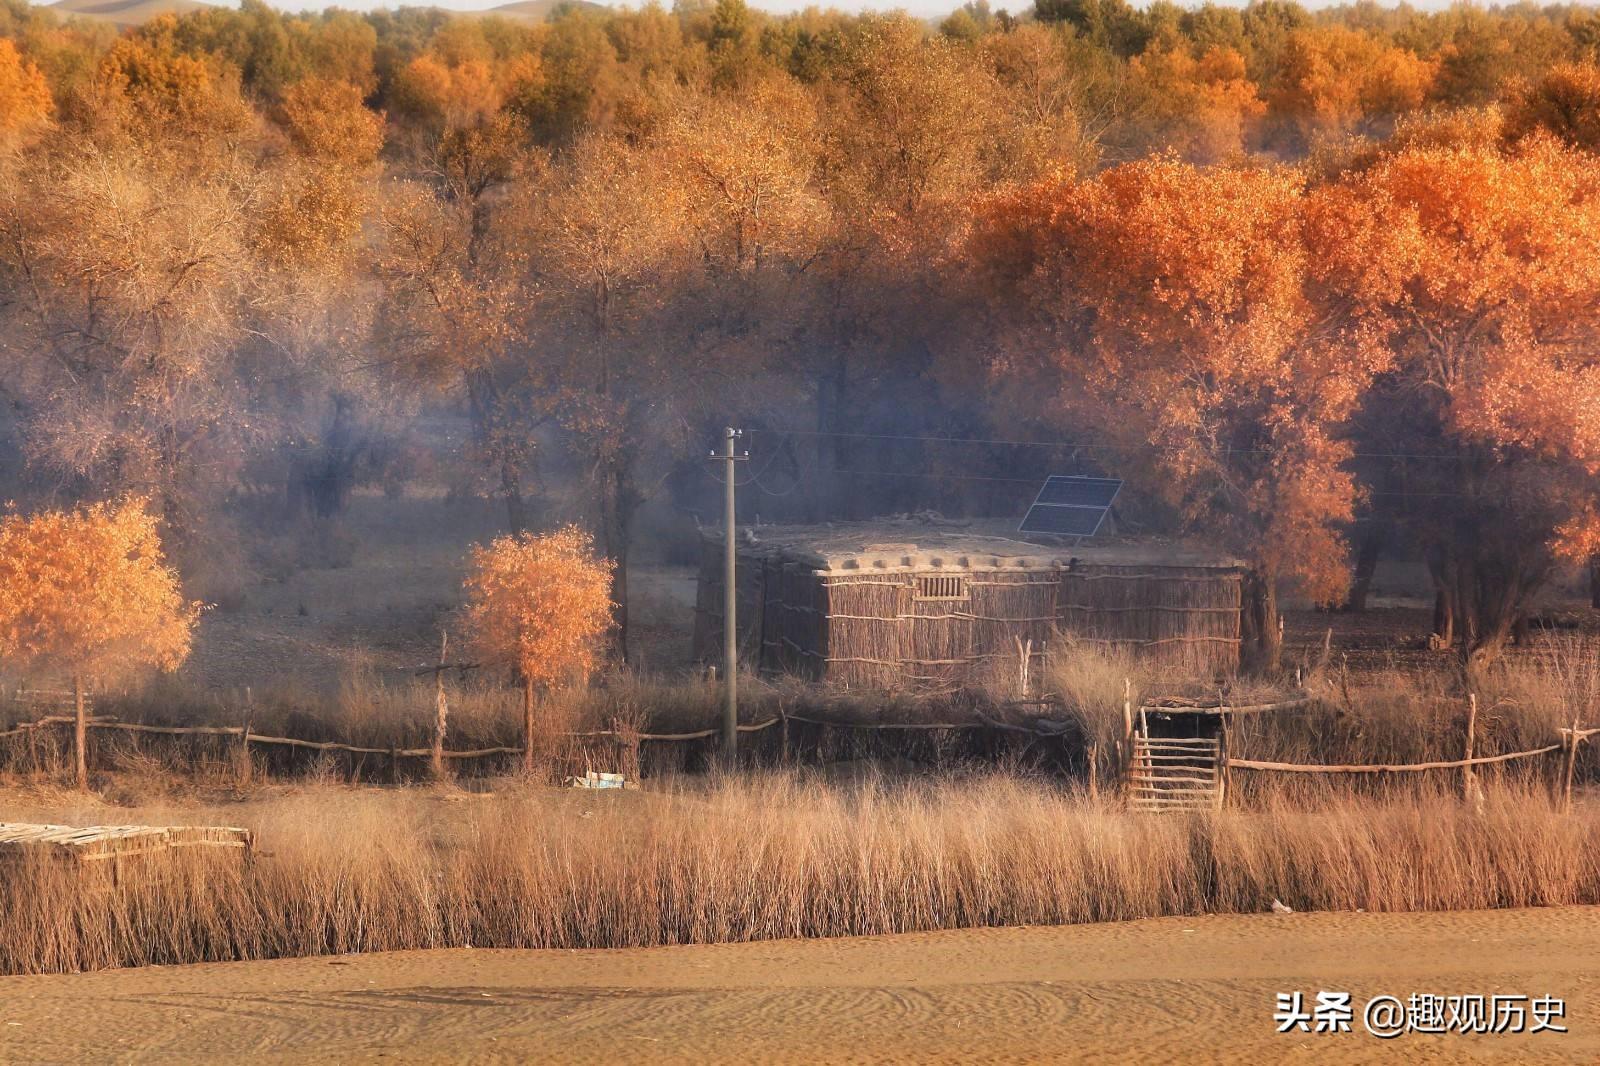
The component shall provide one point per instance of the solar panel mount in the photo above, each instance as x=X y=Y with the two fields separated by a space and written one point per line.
x=1071 y=506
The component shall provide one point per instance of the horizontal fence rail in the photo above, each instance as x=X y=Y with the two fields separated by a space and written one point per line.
x=1567 y=743
x=1387 y=768
x=1045 y=729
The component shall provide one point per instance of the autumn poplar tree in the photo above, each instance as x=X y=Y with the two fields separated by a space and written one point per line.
x=540 y=604
x=88 y=594
x=1161 y=308
x=1473 y=275
x=127 y=262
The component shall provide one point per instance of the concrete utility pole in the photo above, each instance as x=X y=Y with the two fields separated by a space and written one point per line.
x=730 y=600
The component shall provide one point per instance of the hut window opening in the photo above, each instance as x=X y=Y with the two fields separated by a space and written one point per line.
x=942 y=587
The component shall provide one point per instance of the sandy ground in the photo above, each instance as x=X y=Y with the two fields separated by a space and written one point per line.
x=1166 y=990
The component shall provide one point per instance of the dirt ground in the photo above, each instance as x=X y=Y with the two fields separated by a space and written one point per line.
x=1195 y=990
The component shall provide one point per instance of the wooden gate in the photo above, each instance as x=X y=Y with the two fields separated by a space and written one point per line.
x=1172 y=773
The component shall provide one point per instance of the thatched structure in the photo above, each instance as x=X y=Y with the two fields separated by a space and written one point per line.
x=889 y=604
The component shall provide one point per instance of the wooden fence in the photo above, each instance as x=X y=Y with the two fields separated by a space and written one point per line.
x=1567 y=744
x=247 y=738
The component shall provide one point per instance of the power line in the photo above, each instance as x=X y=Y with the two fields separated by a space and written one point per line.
x=1036 y=480
x=1062 y=444
x=939 y=477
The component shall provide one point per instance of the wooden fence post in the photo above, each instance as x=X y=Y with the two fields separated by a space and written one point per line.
x=441 y=707
x=80 y=735
x=1466 y=767
x=1094 y=784
x=1572 y=759
x=1126 y=761
x=245 y=767
x=527 y=725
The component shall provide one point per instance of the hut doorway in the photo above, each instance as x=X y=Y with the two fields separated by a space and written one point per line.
x=1177 y=759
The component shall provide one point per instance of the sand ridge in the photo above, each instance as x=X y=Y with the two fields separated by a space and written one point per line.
x=1195 y=989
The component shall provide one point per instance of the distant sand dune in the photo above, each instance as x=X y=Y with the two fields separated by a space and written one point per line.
x=126 y=12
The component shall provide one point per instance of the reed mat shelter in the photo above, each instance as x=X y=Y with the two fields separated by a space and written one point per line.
x=899 y=603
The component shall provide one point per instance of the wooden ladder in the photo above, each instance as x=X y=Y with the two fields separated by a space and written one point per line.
x=1175 y=774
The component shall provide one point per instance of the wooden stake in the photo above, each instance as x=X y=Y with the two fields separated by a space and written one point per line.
x=245 y=768
x=1572 y=759
x=1466 y=769
x=80 y=734
x=441 y=706
x=1126 y=762
x=1127 y=707
x=527 y=726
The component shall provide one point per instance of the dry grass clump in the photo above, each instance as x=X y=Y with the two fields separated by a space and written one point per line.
x=778 y=855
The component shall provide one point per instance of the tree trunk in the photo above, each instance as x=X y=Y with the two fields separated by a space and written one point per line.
x=527 y=725
x=1444 y=600
x=484 y=402
x=1261 y=636
x=1490 y=602
x=328 y=477
x=1444 y=618
x=516 y=505
x=1367 y=556
x=618 y=501
x=1594 y=582
x=80 y=734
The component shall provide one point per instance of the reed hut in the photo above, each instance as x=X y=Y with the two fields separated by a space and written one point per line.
x=896 y=604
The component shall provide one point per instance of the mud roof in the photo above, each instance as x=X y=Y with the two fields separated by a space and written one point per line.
x=923 y=543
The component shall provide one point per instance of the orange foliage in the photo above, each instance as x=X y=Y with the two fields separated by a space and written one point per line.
x=1201 y=107
x=1566 y=102
x=440 y=93
x=158 y=90
x=25 y=102
x=1476 y=274
x=1335 y=79
x=323 y=196
x=326 y=120
x=542 y=602
x=1168 y=312
x=88 y=591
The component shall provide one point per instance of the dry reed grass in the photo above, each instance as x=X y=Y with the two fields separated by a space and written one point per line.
x=778 y=855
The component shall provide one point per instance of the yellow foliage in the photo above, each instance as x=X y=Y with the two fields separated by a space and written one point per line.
x=88 y=591
x=542 y=602
x=1334 y=79
x=1175 y=319
x=25 y=102
x=327 y=120
x=1565 y=101
x=1201 y=107
x=157 y=91
x=433 y=91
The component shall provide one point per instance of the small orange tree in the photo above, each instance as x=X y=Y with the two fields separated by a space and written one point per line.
x=88 y=592
x=541 y=602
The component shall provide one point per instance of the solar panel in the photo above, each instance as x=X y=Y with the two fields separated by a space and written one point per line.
x=1071 y=506
x=1079 y=491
